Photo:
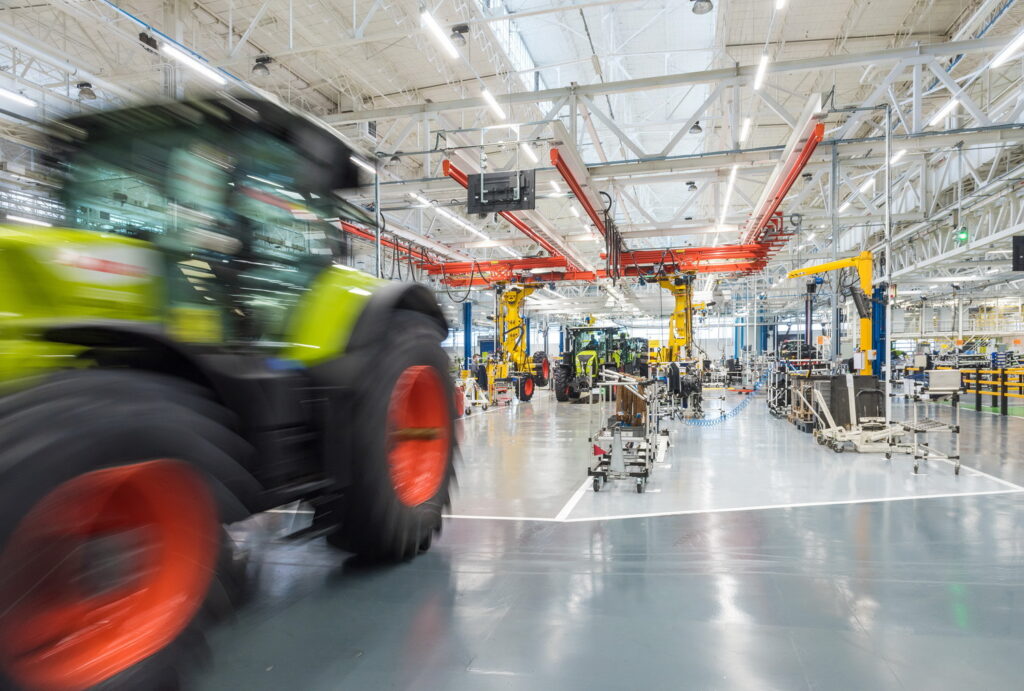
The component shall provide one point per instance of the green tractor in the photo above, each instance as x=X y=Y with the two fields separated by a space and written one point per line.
x=189 y=350
x=588 y=350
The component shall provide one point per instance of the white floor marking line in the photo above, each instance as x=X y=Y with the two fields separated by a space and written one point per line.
x=1000 y=480
x=499 y=518
x=574 y=500
x=842 y=502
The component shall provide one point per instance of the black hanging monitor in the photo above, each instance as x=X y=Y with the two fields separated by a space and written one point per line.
x=513 y=190
x=1018 y=252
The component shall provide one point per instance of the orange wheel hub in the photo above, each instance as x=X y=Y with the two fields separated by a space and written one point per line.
x=545 y=368
x=106 y=570
x=528 y=387
x=419 y=437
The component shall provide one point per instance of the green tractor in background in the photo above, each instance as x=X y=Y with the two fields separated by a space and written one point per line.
x=588 y=350
x=192 y=349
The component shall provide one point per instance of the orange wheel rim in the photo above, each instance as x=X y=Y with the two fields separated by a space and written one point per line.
x=105 y=571
x=545 y=369
x=528 y=387
x=419 y=438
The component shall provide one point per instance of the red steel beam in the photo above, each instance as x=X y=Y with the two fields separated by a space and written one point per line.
x=460 y=177
x=817 y=134
x=570 y=179
x=367 y=235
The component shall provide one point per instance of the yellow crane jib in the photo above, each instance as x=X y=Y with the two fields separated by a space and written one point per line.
x=680 y=324
x=863 y=264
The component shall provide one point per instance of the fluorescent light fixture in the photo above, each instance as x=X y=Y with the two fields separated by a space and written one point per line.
x=264 y=180
x=1008 y=52
x=728 y=192
x=555 y=187
x=509 y=252
x=30 y=221
x=17 y=98
x=363 y=164
x=427 y=20
x=762 y=69
x=493 y=103
x=943 y=112
x=844 y=207
x=458 y=221
x=897 y=156
x=193 y=64
x=541 y=271
x=744 y=130
x=528 y=150
x=780 y=4
x=418 y=198
x=868 y=184
x=574 y=211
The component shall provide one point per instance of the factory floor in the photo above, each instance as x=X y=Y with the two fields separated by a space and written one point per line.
x=756 y=559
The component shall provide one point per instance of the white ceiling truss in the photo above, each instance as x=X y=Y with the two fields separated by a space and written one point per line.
x=646 y=109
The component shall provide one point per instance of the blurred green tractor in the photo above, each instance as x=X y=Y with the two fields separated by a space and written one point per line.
x=190 y=349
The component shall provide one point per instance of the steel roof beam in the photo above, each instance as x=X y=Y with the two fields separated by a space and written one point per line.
x=745 y=72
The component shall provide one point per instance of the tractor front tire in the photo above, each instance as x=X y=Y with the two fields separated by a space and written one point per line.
x=562 y=384
x=113 y=559
x=541 y=368
x=525 y=388
x=403 y=443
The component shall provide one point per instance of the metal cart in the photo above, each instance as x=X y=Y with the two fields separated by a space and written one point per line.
x=942 y=385
x=630 y=441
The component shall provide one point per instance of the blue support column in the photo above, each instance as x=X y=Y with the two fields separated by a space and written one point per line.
x=526 y=322
x=467 y=332
x=878 y=326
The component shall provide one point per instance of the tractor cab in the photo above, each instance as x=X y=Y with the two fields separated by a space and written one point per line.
x=236 y=200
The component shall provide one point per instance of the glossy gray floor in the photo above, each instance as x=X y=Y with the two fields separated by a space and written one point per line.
x=769 y=563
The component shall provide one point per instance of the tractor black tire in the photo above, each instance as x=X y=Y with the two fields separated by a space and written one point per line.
x=540 y=362
x=75 y=432
x=525 y=388
x=375 y=519
x=562 y=384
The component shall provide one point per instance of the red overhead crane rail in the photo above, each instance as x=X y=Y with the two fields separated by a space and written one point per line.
x=460 y=177
x=570 y=179
x=367 y=235
x=765 y=214
x=726 y=259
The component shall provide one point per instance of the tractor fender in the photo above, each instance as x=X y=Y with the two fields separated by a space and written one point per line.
x=375 y=319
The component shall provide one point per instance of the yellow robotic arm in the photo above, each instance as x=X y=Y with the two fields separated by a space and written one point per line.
x=512 y=326
x=863 y=264
x=680 y=324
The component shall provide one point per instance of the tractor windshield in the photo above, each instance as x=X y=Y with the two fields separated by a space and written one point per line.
x=241 y=214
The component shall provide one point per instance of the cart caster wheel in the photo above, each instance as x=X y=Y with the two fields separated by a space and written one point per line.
x=597 y=484
x=483 y=407
x=888 y=456
x=840 y=448
x=916 y=467
x=956 y=470
x=468 y=411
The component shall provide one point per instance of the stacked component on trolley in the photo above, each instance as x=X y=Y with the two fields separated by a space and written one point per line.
x=631 y=441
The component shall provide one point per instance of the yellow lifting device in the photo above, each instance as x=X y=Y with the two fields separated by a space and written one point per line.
x=680 y=324
x=863 y=264
x=512 y=326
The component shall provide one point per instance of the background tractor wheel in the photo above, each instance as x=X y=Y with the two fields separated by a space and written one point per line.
x=112 y=555
x=541 y=368
x=403 y=442
x=525 y=388
x=562 y=384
